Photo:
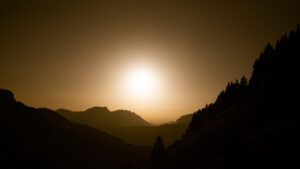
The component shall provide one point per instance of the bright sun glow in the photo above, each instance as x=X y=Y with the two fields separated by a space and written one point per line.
x=142 y=82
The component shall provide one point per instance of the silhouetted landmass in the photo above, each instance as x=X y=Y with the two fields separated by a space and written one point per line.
x=40 y=138
x=250 y=125
x=146 y=135
x=185 y=119
x=102 y=118
x=128 y=126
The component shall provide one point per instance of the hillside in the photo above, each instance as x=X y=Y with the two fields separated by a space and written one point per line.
x=185 y=119
x=40 y=138
x=146 y=135
x=250 y=125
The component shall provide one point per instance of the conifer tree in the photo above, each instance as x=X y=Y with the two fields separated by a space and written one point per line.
x=158 y=148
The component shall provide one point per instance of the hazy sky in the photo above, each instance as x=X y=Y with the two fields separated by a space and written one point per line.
x=79 y=54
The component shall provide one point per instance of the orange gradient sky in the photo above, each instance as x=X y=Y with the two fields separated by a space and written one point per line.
x=80 y=54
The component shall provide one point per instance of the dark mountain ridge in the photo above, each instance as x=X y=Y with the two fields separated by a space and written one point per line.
x=250 y=125
x=40 y=138
x=102 y=118
x=185 y=118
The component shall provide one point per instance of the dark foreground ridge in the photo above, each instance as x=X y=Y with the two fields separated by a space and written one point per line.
x=250 y=125
x=40 y=138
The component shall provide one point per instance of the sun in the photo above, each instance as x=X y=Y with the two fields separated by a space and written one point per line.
x=142 y=82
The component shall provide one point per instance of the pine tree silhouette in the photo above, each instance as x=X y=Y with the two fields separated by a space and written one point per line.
x=243 y=82
x=158 y=148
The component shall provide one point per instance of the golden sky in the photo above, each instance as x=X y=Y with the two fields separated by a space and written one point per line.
x=80 y=54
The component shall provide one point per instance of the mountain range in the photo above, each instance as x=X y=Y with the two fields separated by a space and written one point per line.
x=128 y=125
x=102 y=118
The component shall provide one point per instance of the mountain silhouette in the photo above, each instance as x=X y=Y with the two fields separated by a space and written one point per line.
x=250 y=125
x=127 y=125
x=185 y=119
x=102 y=118
x=40 y=138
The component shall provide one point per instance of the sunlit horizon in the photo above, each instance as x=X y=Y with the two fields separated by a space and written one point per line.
x=160 y=61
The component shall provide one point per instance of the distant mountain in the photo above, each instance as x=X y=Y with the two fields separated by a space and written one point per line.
x=185 y=119
x=101 y=118
x=40 y=138
x=250 y=125
x=127 y=125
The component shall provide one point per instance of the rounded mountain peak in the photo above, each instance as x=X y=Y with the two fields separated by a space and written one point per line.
x=6 y=96
x=97 y=109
